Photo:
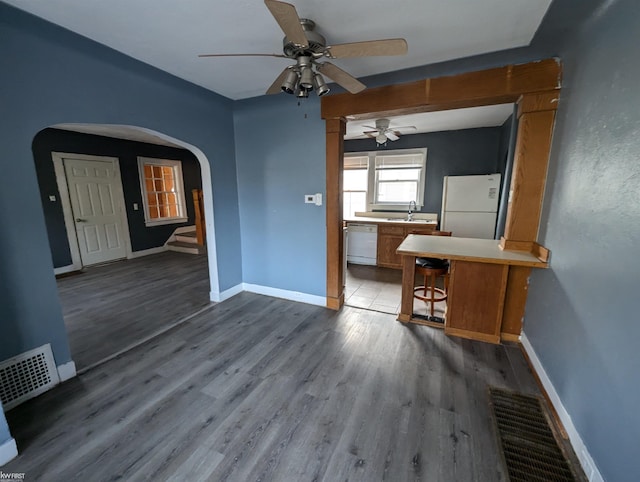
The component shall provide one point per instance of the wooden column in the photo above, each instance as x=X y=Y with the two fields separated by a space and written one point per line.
x=408 y=281
x=335 y=130
x=536 y=117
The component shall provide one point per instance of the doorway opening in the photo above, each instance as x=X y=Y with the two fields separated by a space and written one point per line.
x=400 y=176
x=117 y=199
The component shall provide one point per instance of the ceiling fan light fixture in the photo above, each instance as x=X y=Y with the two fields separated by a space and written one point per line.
x=320 y=85
x=302 y=93
x=306 y=78
x=289 y=84
x=381 y=138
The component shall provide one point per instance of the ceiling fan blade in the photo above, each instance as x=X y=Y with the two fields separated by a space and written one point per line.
x=373 y=134
x=405 y=128
x=276 y=87
x=396 y=46
x=289 y=21
x=342 y=78
x=391 y=136
x=244 y=55
x=371 y=127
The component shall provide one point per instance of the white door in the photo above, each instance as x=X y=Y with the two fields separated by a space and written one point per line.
x=96 y=203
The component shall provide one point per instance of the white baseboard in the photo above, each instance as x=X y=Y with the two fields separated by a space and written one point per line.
x=8 y=451
x=66 y=371
x=286 y=294
x=147 y=252
x=226 y=294
x=65 y=269
x=588 y=465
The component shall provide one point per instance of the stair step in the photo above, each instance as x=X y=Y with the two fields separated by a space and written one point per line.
x=183 y=247
x=188 y=237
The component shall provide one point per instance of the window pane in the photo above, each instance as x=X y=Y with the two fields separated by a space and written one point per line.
x=398 y=174
x=355 y=180
x=354 y=201
x=151 y=199
x=148 y=171
x=158 y=185
x=397 y=192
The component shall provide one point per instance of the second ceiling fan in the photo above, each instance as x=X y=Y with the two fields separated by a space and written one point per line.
x=307 y=47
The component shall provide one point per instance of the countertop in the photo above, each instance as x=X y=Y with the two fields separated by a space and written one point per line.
x=400 y=221
x=466 y=249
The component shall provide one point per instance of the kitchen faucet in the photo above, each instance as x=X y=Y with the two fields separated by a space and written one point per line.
x=412 y=207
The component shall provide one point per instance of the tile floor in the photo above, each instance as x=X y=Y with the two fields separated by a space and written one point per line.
x=380 y=289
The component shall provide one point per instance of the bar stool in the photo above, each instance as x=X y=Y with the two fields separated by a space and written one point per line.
x=431 y=269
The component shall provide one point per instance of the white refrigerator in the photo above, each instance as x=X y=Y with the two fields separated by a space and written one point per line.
x=470 y=205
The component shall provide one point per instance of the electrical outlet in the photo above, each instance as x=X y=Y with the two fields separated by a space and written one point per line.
x=318 y=199
x=52 y=199
x=135 y=206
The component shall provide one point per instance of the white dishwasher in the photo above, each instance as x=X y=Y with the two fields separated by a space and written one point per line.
x=362 y=243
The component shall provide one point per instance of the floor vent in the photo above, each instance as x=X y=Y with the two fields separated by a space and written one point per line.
x=27 y=375
x=529 y=447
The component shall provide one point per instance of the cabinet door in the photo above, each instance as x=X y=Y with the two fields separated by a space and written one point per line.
x=476 y=300
x=387 y=245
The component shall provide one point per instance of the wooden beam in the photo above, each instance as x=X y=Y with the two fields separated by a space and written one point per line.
x=529 y=172
x=485 y=87
x=335 y=130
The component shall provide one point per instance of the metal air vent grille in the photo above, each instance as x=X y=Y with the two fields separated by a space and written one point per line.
x=27 y=375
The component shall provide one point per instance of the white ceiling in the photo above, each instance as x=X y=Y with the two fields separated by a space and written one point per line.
x=169 y=34
x=448 y=120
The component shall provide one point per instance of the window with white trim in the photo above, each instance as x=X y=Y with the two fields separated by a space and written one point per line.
x=162 y=191
x=394 y=179
x=355 y=181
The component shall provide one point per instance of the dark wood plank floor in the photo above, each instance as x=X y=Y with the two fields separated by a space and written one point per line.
x=111 y=307
x=257 y=388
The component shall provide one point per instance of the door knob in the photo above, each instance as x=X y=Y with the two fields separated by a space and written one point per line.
x=80 y=220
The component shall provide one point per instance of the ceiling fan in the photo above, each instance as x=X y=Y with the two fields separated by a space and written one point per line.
x=307 y=47
x=382 y=132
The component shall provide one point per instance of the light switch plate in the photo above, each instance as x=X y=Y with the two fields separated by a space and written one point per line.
x=52 y=199
x=318 y=199
x=309 y=198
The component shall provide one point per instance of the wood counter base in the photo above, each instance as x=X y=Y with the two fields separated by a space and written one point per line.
x=478 y=283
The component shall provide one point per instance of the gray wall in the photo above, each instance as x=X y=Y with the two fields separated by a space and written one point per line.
x=449 y=153
x=582 y=313
x=142 y=236
x=52 y=76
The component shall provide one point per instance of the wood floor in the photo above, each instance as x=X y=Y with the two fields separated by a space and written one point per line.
x=108 y=308
x=258 y=388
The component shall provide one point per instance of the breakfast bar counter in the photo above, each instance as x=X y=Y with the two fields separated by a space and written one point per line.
x=479 y=271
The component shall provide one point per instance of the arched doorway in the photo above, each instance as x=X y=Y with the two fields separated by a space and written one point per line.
x=124 y=146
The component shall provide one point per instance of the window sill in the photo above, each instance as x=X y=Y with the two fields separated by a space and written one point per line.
x=392 y=207
x=162 y=222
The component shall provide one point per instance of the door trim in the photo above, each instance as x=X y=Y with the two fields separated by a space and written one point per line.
x=65 y=201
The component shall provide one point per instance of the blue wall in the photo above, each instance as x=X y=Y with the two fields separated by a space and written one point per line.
x=582 y=313
x=280 y=157
x=142 y=236
x=4 y=428
x=449 y=153
x=51 y=76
